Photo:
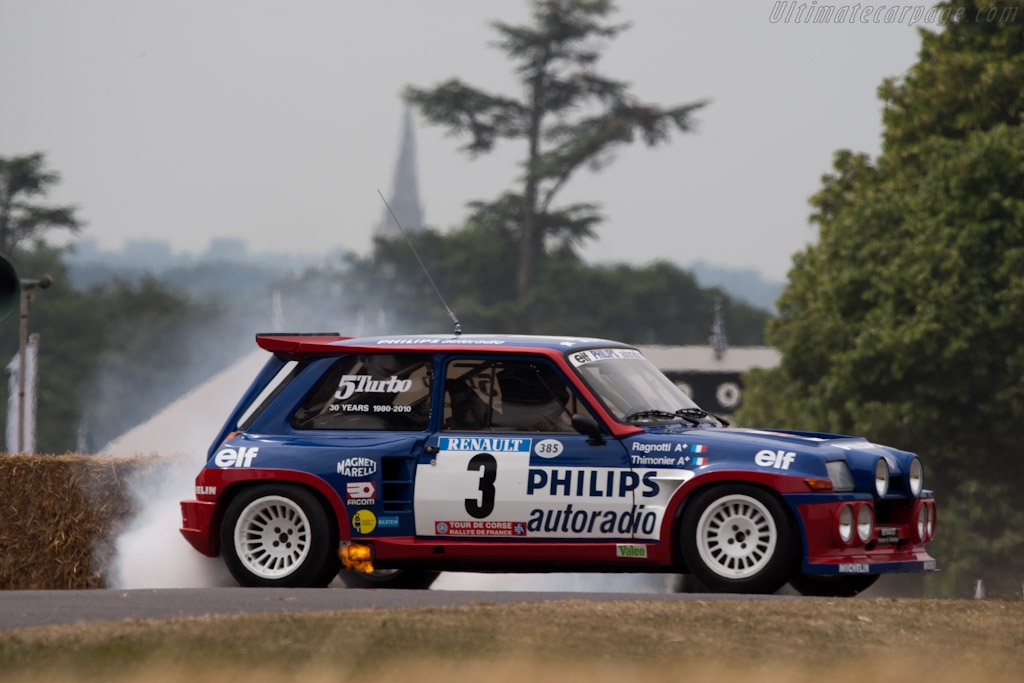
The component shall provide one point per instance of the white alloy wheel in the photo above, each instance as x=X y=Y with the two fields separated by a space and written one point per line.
x=272 y=537
x=736 y=536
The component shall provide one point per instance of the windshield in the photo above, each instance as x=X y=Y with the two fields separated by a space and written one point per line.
x=630 y=388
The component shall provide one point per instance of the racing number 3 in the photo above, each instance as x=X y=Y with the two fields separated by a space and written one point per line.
x=488 y=467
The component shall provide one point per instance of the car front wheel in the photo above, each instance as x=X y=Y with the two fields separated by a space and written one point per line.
x=738 y=539
x=278 y=535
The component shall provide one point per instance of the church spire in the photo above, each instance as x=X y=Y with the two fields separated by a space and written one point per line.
x=405 y=194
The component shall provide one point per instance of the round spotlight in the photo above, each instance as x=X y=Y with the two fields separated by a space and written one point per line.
x=845 y=527
x=922 y=522
x=916 y=477
x=931 y=521
x=881 y=477
x=865 y=523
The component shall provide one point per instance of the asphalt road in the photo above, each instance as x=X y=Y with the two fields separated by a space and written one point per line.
x=20 y=609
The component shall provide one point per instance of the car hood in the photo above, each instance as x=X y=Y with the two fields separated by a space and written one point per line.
x=778 y=451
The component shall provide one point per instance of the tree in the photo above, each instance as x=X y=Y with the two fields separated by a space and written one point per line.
x=387 y=292
x=903 y=322
x=569 y=116
x=114 y=353
x=23 y=178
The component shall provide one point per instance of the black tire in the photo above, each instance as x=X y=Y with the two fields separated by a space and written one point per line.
x=279 y=535
x=832 y=586
x=388 y=578
x=738 y=538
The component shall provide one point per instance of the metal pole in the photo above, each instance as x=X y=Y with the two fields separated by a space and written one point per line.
x=26 y=304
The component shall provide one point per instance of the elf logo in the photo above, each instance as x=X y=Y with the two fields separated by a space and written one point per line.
x=780 y=460
x=235 y=457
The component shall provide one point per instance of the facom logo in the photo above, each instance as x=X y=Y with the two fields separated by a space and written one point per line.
x=360 y=493
x=235 y=457
x=360 y=489
x=780 y=460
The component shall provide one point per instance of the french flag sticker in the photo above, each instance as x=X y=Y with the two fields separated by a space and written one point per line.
x=700 y=461
x=699 y=448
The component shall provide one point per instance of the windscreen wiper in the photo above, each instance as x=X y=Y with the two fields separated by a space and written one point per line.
x=650 y=413
x=697 y=414
x=654 y=412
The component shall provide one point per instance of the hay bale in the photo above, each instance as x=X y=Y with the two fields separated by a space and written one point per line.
x=59 y=516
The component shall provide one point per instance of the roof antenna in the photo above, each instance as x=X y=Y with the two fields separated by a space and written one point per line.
x=455 y=321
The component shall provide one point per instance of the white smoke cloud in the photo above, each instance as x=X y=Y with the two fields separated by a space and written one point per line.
x=150 y=552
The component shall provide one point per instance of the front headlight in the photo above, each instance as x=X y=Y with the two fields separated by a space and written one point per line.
x=865 y=523
x=845 y=524
x=915 y=476
x=881 y=477
x=840 y=475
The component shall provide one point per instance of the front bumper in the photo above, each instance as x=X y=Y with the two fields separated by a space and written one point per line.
x=895 y=545
x=197 y=526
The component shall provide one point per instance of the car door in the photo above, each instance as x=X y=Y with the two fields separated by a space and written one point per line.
x=508 y=464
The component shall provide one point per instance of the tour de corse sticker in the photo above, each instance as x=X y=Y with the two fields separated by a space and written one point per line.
x=548 y=448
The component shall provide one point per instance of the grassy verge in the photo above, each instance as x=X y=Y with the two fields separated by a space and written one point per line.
x=569 y=641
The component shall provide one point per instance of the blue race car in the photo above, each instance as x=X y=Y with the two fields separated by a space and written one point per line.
x=394 y=458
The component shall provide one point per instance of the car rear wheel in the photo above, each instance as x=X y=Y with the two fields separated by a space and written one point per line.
x=279 y=535
x=738 y=539
x=388 y=578
x=831 y=586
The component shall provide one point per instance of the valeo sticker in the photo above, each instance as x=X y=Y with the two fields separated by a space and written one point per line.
x=635 y=551
x=364 y=521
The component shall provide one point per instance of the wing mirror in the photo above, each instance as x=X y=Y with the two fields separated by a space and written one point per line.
x=585 y=425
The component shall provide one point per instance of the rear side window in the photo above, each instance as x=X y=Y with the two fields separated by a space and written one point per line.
x=385 y=392
x=282 y=379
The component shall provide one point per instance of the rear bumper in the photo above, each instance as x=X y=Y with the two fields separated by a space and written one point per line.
x=895 y=544
x=197 y=526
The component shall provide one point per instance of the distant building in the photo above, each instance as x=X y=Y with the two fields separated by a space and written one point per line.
x=226 y=249
x=711 y=379
x=405 y=194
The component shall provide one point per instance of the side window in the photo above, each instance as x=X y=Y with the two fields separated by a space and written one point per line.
x=507 y=396
x=283 y=378
x=386 y=391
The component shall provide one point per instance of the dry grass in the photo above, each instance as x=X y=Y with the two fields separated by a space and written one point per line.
x=59 y=515
x=569 y=641
x=509 y=670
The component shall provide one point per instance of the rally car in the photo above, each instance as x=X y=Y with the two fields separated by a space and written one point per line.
x=394 y=458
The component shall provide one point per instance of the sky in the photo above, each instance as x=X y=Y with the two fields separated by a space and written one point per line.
x=278 y=121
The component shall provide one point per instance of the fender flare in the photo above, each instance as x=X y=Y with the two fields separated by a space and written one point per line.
x=230 y=482
x=774 y=483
